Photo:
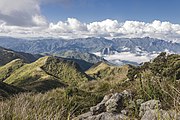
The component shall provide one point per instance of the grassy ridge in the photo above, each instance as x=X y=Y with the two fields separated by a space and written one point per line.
x=9 y=68
x=102 y=70
x=46 y=73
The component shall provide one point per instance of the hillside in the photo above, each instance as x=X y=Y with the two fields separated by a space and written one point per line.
x=103 y=70
x=9 y=68
x=91 y=58
x=85 y=60
x=7 y=90
x=47 y=73
x=7 y=55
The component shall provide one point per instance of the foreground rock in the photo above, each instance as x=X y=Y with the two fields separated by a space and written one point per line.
x=151 y=110
x=102 y=116
x=112 y=107
x=160 y=115
x=149 y=105
x=108 y=109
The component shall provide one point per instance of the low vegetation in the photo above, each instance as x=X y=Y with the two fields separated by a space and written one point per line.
x=158 y=79
x=56 y=104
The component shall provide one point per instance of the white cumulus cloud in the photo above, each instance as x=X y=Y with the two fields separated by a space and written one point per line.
x=73 y=28
x=21 y=12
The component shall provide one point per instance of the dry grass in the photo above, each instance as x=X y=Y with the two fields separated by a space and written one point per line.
x=53 y=105
x=30 y=107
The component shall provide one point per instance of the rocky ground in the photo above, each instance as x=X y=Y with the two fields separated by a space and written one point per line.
x=112 y=108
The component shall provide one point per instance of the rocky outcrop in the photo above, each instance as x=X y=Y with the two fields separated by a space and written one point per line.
x=110 y=108
x=149 y=105
x=151 y=110
x=102 y=116
x=160 y=115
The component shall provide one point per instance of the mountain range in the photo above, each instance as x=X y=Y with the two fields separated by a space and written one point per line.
x=123 y=50
x=90 y=45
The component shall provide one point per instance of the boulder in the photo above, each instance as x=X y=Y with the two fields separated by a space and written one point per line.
x=108 y=116
x=149 y=105
x=102 y=116
x=99 y=108
x=115 y=103
x=160 y=115
x=109 y=108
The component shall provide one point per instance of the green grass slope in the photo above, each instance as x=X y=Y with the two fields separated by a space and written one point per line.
x=106 y=77
x=103 y=70
x=9 y=68
x=47 y=73
x=66 y=70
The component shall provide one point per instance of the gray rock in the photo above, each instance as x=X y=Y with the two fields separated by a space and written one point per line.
x=160 y=115
x=149 y=105
x=106 y=98
x=99 y=108
x=108 y=116
x=83 y=116
x=126 y=94
x=115 y=103
x=108 y=109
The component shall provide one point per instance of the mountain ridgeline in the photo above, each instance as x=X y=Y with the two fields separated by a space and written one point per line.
x=7 y=55
x=44 y=74
x=90 y=45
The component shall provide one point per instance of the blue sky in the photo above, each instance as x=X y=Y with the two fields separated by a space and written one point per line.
x=121 y=10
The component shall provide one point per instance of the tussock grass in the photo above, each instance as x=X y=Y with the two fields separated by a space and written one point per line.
x=57 y=104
